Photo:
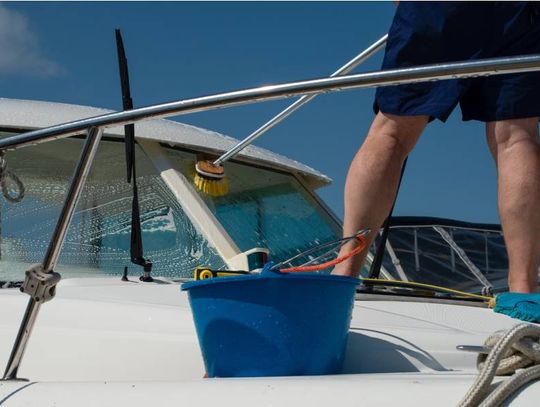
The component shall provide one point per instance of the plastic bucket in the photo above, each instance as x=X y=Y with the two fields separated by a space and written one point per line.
x=272 y=324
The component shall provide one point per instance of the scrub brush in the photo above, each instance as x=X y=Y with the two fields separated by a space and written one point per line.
x=210 y=178
x=210 y=175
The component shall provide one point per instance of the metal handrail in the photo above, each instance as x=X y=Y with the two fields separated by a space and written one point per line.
x=484 y=67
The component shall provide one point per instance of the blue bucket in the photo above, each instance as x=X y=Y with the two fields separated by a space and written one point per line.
x=272 y=324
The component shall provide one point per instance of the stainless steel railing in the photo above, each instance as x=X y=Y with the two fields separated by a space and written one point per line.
x=485 y=67
x=95 y=126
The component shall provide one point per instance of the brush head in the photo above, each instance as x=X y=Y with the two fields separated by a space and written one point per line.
x=210 y=178
x=207 y=169
x=212 y=187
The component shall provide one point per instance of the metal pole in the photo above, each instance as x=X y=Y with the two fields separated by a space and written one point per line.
x=53 y=252
x=345 y=69
x=463 y=256
x=375 y=269
x=485 y=67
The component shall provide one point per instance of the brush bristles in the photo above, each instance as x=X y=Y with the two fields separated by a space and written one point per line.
x=211 y=187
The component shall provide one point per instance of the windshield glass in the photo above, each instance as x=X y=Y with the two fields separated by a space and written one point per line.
x=98 y=239
x=447 y=253
x=265 y=208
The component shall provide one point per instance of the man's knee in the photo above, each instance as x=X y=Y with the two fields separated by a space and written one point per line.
x=505 y=134
x=400 y=132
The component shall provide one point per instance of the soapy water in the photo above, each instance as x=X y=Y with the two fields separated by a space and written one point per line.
x=99 y=235
x=98 y=239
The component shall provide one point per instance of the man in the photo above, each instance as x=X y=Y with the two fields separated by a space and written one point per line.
x=426 y=33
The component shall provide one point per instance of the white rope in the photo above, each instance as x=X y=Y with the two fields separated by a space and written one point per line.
x=514 y=349
x=522 y=353
x=511 y=385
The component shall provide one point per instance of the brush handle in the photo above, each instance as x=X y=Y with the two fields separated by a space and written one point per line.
x=345 y=69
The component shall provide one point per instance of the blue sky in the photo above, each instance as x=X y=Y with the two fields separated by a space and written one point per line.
x=65 y=52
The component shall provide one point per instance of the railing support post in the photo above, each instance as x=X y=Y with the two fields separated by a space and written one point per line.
x=45 y=270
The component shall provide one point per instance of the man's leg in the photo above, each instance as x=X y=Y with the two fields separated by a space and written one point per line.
x=516 y=149
x=373 y=178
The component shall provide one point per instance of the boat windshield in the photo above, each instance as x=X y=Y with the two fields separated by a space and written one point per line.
x=98 y=239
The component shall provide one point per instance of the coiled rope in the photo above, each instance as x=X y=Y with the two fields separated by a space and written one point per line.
x=514 y=349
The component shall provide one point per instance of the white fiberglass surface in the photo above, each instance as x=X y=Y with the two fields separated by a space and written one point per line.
x=265 y=208
x=98 y=239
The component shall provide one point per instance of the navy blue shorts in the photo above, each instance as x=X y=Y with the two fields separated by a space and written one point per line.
x=427 y=33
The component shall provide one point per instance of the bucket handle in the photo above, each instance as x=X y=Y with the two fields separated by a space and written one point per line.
x=360 y=237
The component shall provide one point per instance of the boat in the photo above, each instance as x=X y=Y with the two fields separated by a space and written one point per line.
x=109 y=338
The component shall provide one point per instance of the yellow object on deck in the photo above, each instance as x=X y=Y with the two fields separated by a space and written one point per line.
x=202 y=273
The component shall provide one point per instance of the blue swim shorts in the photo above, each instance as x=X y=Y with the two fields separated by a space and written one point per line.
x=425 y=33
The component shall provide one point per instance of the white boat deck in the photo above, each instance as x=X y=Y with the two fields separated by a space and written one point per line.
x=102 y=340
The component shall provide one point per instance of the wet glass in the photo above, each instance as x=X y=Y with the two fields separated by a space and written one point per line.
x=98 y=240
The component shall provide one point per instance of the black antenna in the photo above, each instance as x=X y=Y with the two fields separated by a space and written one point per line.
x=136 y=247
x=375 y=269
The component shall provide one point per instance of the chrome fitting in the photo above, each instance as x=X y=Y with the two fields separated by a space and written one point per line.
x=39 y=284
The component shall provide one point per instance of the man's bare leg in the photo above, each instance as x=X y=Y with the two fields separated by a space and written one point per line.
x=515 y=146
x=373 y=178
